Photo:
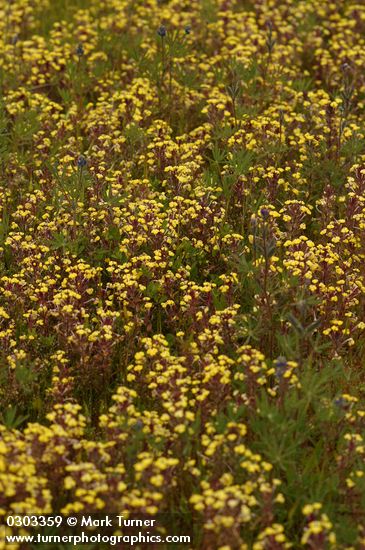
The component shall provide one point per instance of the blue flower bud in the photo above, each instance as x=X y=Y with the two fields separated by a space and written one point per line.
x=281 y=365
x=264 y=213
x=80 y=50
x=81 y=161
x=162 y=31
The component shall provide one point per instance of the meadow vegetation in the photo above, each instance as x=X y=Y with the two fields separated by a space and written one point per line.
x=182 y=251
